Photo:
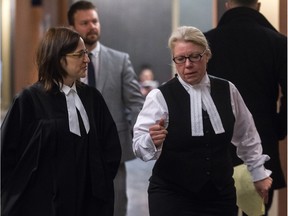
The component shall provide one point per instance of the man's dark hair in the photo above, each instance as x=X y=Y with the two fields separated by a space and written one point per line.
x=80 y=5
x=245 y=2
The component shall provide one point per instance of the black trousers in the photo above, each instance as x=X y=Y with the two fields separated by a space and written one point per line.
x=166 y=200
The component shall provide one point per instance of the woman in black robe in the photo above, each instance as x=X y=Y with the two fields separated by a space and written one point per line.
x=51 y=163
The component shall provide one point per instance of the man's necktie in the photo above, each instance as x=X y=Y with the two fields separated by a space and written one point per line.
x=91 y=72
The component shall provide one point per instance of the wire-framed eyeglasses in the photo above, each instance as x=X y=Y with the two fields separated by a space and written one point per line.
x=79 y=54
x=191 y=58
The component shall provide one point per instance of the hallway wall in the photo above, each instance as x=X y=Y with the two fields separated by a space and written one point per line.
x=140 y=28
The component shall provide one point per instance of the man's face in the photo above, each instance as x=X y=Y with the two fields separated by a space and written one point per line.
x=86 y=23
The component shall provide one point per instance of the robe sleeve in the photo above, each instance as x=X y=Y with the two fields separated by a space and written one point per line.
x=16 y=131
x=20 y=134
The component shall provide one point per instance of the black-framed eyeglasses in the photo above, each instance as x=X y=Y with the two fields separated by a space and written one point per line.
x=79 y=54
x=192 y=58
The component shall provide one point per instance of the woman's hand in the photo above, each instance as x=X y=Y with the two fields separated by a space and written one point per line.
x=158 y=133
x=262 y=187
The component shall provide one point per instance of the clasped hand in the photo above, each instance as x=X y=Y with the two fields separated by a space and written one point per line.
x=262 y=187
x=158 y=133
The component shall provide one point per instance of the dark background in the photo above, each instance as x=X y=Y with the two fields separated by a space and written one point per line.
x=140 y=28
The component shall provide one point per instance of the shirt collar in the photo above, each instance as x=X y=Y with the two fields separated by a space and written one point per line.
x=66 y=89
x=96 y=50
x=204 y=82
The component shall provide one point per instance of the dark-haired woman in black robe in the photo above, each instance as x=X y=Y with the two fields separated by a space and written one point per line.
x=52 y=163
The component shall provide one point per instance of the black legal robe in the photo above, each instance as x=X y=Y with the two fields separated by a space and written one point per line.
x=46 y=169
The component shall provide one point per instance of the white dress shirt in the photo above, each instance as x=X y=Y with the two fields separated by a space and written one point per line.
x=245 y=136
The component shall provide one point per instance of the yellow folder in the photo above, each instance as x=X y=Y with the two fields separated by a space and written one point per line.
x=248 y=200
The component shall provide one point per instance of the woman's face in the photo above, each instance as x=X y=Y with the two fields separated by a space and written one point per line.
x=76 y=64
x=190 y=72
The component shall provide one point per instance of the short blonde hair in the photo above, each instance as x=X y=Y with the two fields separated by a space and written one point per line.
x=189 y=34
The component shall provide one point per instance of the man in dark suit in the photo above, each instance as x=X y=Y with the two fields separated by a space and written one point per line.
x=248 y=51
x=117 y=82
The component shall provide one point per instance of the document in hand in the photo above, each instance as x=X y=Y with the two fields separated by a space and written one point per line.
x=248 y=200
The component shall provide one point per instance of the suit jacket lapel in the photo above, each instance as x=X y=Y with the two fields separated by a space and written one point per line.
x=103 y=68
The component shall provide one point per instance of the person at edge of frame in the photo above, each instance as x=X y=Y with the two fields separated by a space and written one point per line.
x=255 y=56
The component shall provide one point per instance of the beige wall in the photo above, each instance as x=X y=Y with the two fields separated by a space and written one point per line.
x=270 y=9
x=6 y=17
x=22 y=26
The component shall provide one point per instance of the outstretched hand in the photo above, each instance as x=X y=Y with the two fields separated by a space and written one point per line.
x=158 y=133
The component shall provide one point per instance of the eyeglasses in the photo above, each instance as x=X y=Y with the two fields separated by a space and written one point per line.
x=79 y=54
x=192 y=58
